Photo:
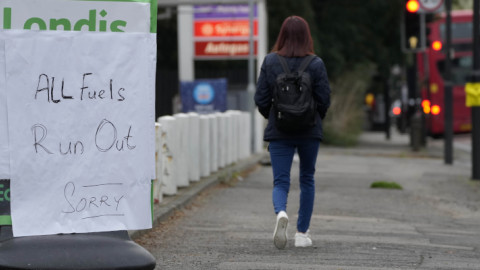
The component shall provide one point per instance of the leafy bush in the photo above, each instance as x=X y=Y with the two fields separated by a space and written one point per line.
x=344 y=121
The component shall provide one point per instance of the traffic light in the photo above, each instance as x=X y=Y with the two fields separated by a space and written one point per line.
x=412 y=6
x=411 y=34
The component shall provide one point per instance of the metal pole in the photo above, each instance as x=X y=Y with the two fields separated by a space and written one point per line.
x=418 y=96
x=476 y=78
x=251 y=70
x=251 y=48
x=386 y=93
x=413 y=108
x=448 y=95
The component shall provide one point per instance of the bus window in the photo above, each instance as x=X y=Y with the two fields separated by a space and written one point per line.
x=459 y=31
x=461 y=69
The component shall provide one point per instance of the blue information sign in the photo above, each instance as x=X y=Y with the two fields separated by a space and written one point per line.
x=204 y=96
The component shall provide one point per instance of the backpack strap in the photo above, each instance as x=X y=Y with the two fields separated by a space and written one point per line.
x=284 y=64
x=305 y=63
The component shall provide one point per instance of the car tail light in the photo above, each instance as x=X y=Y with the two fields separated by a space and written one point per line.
x=437 y=45
x=436 y=110
x=396 y=110
x=369 y=100
x=426 y=106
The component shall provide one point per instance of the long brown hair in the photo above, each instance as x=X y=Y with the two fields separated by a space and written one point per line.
x=294 y=39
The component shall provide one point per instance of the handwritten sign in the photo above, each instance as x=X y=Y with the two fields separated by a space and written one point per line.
x=77 y=107
x=81 y=123
x=4 y=149
x=66 y=15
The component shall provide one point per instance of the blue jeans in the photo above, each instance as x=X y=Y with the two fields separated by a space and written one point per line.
x=281 y=155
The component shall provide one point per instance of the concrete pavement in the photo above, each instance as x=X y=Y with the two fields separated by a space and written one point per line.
x=433 y=223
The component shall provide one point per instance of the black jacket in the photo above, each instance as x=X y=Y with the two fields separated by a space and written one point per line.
x=271 y=68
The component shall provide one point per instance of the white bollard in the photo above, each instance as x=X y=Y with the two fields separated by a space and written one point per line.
x=222 y=140
x=235 y=136
x=241 y=140
x=204 y=146
x=237 y=131
x=213 y=143
x=169 y=151
x=182 y=164
x=157 y=183
x=248 y=143
x=259 y=127
x=229 y=141
x=194 y=146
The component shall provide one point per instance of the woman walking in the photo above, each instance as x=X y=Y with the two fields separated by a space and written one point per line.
x=293 y=45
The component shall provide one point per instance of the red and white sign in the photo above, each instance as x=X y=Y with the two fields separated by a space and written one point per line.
x=209 y=49
x=430 y=5
x=223 y=31
x=231 y=28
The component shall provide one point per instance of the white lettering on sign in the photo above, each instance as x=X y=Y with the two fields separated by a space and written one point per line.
x=62 y=15
x=226 y=48
x=233 y=29
x=207 y=29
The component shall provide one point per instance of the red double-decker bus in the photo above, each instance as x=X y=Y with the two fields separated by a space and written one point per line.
x=431 y=67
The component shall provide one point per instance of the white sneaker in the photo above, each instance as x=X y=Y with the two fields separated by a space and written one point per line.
x=280 y=233
x=303 y=239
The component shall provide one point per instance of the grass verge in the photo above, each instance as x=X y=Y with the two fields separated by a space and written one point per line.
x=386 y=185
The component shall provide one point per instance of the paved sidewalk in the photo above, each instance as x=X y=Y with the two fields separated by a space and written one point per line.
x=433 y=223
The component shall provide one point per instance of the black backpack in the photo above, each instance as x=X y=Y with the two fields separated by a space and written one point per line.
x=293 y=102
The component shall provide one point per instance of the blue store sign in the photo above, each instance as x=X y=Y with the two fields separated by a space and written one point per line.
x=203 y=93
x=204 y=96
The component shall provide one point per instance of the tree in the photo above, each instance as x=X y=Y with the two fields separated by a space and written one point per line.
x=345 y=32
x=279 y=10
x=354 y=32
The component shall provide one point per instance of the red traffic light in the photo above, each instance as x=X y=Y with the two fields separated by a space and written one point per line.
x=413 y=6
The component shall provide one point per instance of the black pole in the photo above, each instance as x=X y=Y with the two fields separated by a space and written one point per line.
x=386 y=93
x=476 y=78
x=414 y=114
x=448 y=95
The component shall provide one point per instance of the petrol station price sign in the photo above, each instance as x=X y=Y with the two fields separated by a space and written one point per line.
x=223 y=31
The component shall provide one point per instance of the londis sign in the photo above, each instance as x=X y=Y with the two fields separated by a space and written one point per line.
x=92 y=16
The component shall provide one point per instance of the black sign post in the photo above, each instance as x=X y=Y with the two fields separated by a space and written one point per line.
x=476 y=79
x=448 y=95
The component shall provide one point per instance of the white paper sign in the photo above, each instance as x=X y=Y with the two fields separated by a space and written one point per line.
x=81 y=121
x=69 y=16
x=4 y=150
